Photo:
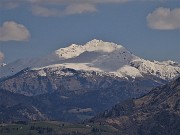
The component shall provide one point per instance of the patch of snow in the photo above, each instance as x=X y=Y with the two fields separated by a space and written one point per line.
x=129 y=71
x=69 y=52
x=160 y=69
x=64 y=97
x=42 y=73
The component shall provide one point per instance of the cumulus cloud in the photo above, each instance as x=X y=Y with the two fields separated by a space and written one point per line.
x=164 y=19
x=79 y=8
x=10 y=30
x=69 y=10
x=73 y=1
x=47 y=8
x=45 y=12
x=1 y=57
x=8 y=5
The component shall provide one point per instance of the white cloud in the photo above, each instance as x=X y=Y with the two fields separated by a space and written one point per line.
x=47 y=8
x=73 y=1
x=79 y=8
x=45 y=12
x=10 y=30
x=41 y=7
x=1 y=57
x=8 y=5
x=164 y=19
x=69 y=10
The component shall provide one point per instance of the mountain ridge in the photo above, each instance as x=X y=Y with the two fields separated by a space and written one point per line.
x=157 y=112
x=100 y=56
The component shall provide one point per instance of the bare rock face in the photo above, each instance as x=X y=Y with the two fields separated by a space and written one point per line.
x=158 y=112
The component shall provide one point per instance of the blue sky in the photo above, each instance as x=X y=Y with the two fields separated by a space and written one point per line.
x=33 y=28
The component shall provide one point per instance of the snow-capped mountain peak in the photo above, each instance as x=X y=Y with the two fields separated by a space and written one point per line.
x=91 y=46
x=69 y=52
x=101 y=46
x=97 y=55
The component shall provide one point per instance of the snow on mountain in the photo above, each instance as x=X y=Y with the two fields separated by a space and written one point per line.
x=2 y=64
x=18 y=65
x=164 y=70
x=69 y=52
x=99 y=56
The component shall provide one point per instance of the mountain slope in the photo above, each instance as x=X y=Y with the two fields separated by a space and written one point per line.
x=95 y=59
x=99 y=74
x=16 y=107
x=74 y=93
x=40 y=81
x=158 y=112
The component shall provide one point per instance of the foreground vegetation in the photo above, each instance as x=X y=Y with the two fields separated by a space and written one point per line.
x=56 y=128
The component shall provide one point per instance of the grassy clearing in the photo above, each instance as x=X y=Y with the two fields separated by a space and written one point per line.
x=56 y=128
